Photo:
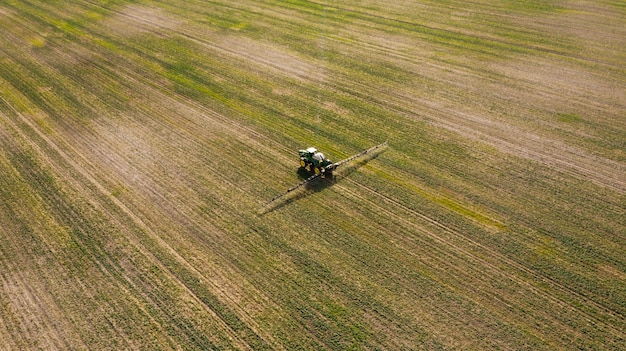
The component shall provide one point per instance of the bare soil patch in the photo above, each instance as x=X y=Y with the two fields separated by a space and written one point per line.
x=136 y=19
x=280 y=59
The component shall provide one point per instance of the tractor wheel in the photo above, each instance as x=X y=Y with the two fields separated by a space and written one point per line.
x=317 y=170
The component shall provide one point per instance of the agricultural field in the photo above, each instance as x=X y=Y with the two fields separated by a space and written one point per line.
x=140 y=143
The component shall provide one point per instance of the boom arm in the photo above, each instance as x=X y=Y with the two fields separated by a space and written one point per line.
x=329 y=167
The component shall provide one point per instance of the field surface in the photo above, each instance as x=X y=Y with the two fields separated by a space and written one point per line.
x=140 y=142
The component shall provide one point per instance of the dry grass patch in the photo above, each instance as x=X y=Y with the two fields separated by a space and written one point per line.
x=133 y=20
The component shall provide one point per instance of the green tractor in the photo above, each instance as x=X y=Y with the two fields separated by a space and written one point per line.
x=315 y=165
x=314 y=162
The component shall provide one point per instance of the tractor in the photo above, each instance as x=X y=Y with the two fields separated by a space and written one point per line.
x=315 y=163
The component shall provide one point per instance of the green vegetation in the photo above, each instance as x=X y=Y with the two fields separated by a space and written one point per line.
x=139 y=141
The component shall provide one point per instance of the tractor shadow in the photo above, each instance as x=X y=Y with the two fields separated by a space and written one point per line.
x=318 y=184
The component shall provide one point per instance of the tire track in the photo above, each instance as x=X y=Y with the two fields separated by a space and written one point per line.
x=337 y=87
x=555 y=154
x=137 y=78
x=68 y=215
x=21 y=279
x=570 y=164
x=445 y=32
x=532 y=273
x=445 y=273
x=504 y=314
x=222 y=295
x=35 y=321
x=501 y=258
x=136 y=241
x=568 y=159
x=158 y=90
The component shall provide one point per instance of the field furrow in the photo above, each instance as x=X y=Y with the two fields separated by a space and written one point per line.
x=493 y=260
x=140 y=143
